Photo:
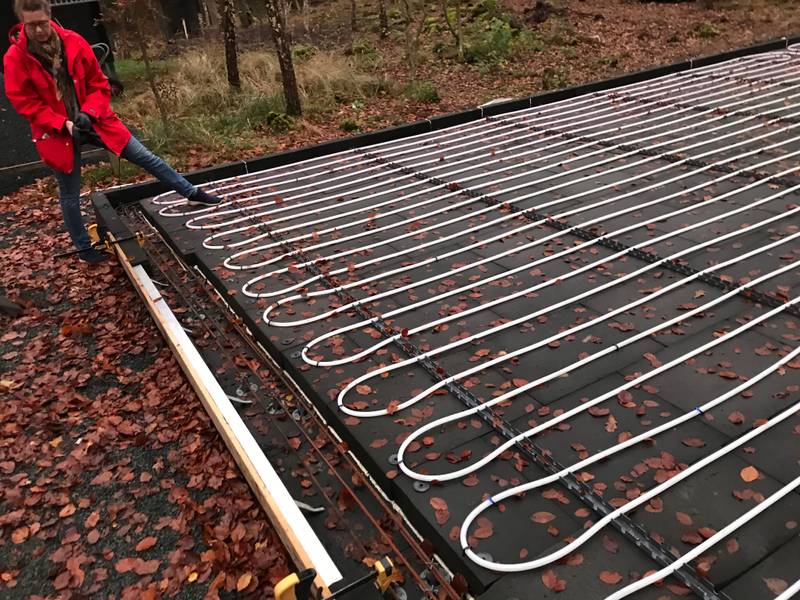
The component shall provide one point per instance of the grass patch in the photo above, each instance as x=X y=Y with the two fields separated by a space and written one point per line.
x=349 y=126
x=705 y=30
x=495 y=38
x=553 y=79
x=131 y=71
x=422 y=91
x=203 y=111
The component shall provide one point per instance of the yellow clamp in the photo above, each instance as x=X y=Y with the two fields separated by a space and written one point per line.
x=296 y=586
x=94 y=237
x=386 y=574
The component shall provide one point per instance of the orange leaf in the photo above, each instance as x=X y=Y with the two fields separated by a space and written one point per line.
x=146 y=544
x=438 y=503
x=244 y=581
x=610 y=577
x=125 y=565
x=552 y=582
x=19 y=535
x=92 y=520
x=749 y=474
x=542 y=517
x=484 y=529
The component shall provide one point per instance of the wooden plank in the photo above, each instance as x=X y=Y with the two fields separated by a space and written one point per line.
x=302 y=543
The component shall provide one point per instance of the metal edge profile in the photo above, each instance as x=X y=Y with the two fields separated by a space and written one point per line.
x=302 y=543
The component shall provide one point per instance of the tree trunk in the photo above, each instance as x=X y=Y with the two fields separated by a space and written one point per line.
x=304 y=9
x=383 y=20
x=353 y=23
x=455 y=28
x=284 y=50
x=412 y=36
x=226 y=11
x=148 y=70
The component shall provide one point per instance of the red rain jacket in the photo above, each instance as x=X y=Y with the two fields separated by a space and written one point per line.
x=32 y=92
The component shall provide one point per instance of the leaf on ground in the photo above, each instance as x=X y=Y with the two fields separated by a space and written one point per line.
x=484 y=529
x=736 y=417
x=542 y=517
x=146 y=543
x=776 y=586
x=552 y=582
x=652 y=359
x=610 y=577
x=693 y=442
x=19 y=535
x=92 y=520
x=244 y=581
x=438 y=503
x=749 y=474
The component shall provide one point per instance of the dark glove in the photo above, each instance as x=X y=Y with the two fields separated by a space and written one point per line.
x=83 y=121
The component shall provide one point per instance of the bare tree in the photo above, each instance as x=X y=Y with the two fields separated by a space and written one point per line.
x=284 y=49
x=412 y=34
x=227 y=11
x=455 y=28
x=132 y=14
x=383 y=20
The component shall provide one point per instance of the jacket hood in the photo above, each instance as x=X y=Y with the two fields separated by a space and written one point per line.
x=16 y=36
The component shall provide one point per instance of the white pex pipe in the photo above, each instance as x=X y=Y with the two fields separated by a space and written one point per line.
x=207 y=242
x=437 y=152
x=572 y=330
x=720 y=535
x=575 y=365
x=638 y=501
x=728 y=68
x=418 y=264
x=476 y=285
x=229 y=262
x=619 y=447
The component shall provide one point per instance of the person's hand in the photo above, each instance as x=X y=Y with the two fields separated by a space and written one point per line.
x=69 y=125
x=83 y=121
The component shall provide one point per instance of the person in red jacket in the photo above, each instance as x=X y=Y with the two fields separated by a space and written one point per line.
x=53 y=79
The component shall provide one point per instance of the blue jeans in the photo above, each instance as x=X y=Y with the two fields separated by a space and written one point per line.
x=69 y=186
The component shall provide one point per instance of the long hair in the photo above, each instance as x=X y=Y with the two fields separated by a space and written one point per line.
x=30 y=6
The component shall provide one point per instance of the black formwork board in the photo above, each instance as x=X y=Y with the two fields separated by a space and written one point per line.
x=610 y=253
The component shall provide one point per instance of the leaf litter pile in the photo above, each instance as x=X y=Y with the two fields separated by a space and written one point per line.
x=584 y=291
x=113 y=481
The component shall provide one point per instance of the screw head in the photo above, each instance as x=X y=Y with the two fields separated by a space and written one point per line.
x=421 y=486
